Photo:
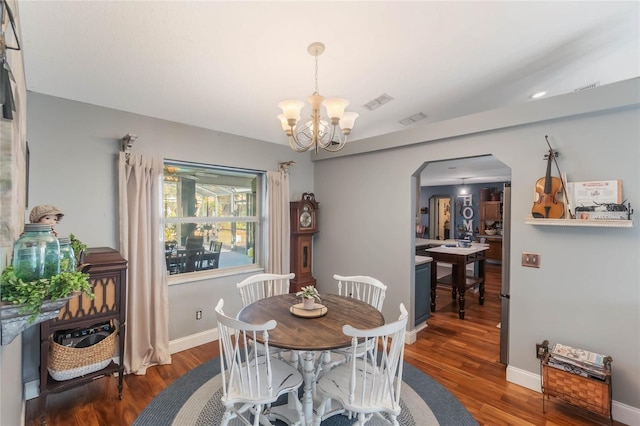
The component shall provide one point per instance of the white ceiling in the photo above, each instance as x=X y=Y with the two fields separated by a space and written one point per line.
x=226 y=65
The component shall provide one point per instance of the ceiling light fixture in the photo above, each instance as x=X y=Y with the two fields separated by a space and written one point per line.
x=463 y=189
x=538 y=95
x=316 y=132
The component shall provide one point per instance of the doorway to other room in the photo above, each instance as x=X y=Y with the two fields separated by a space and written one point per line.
x=468 y=199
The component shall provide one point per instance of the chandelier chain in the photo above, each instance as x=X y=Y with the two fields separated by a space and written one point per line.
x=317 y=91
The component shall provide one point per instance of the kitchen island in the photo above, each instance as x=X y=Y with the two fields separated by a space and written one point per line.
x=459 y=258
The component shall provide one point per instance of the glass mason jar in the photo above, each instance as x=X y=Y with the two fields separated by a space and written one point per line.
x=67 y=256
x=36 y=254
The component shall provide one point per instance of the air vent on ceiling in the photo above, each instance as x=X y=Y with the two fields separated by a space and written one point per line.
x=412 y=119
x=589 y=86
x=378 y=102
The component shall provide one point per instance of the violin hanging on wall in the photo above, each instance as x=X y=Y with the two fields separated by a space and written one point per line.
x=549 y=190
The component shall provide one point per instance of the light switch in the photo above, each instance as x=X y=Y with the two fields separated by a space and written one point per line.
x=531 y=260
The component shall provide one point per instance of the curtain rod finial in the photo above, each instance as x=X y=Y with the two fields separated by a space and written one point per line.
x=127 y=142
x=286 y=164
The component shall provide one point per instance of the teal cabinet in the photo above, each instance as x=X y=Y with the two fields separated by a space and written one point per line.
x=422 y=295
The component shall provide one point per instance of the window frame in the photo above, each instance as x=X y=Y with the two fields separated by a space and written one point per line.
x=258 y=220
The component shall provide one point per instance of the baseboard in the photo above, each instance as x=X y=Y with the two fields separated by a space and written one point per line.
x=523 y=378
x=621 y=412
x=625 y=413
x=193 y=340
x=410 y=337
x=31 y=389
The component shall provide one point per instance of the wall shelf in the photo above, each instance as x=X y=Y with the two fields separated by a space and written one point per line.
x=597 y=223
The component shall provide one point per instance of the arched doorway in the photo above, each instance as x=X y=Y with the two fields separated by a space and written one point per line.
x=460 y=183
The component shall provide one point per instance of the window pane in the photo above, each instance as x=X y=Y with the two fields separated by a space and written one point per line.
x=207 y=205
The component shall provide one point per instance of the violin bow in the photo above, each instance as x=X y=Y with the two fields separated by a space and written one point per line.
x=564 y=184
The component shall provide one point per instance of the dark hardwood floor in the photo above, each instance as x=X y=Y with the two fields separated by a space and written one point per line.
x=462 y=355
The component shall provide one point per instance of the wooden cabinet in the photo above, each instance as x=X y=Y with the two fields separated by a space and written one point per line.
x=490 y=211
x=422 y=302
x=495 y=249
x=108 y=275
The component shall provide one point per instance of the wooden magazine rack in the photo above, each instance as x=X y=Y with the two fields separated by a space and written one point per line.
x=589 y=393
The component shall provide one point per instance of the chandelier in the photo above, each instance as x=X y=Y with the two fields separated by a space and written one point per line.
x=316 y=131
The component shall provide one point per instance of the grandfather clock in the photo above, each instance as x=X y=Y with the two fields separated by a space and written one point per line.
x=304 y=223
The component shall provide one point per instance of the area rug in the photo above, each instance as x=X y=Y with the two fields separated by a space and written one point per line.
x=194 y=400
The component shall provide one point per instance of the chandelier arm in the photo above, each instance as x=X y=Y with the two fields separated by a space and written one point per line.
x=337 y=147
x=297 y=145
x=327 y=138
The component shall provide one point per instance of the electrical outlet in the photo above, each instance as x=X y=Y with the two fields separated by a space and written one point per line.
x=531 y=260
x=198 y=315
x=540 y=351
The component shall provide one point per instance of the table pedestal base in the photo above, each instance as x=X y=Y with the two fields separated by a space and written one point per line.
x=288 y=413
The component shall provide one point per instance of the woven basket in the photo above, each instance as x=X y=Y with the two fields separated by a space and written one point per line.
x=67 y=363
x=580 y=391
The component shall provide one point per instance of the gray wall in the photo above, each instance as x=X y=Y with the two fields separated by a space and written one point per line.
x=587 y=291
x=74 y=149
x=586 y=294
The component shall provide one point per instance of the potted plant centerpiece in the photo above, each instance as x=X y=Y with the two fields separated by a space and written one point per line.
x=309 y=296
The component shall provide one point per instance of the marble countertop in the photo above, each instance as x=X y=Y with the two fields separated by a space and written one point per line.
x=423 y=259
x=421 y=242
x=475 y=248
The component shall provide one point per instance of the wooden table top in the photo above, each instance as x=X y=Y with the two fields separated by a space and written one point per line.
x=316 y=334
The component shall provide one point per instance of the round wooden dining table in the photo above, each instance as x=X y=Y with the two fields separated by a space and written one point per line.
x=310 y=336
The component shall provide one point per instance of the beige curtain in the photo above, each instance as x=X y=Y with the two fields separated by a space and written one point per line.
x=141 y=243
x=278 y=223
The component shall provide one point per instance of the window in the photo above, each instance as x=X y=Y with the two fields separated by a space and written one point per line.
x=212 y=217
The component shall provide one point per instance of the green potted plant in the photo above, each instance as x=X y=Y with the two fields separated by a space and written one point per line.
x=79 y=249
x=30 y=295
x=53 y=292
x=309 y=295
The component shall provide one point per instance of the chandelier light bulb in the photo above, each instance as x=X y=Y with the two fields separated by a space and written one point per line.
x=347 y=121
x=291 y=109
x=335 y=107
x=283 y=122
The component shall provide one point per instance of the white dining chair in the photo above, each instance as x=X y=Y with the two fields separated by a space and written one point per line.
x=363 y=288
x=260 y=286
x=251 y=381
x=366 y=289
x=369 y=386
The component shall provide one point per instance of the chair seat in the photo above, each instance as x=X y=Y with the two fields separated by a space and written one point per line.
x=285 y=378
x=336 y=383
x=361 y=349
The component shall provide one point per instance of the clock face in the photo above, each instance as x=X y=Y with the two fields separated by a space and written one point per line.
x=305 y=219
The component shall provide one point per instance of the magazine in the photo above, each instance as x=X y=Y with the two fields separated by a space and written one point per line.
x=577 y=356
x=574 y=369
